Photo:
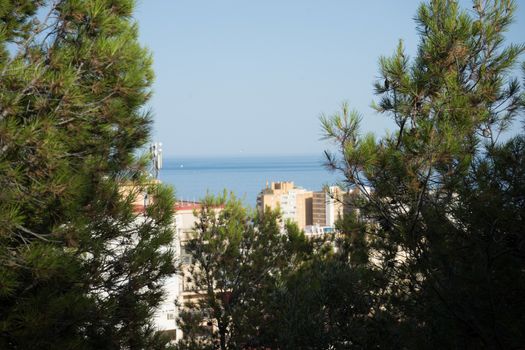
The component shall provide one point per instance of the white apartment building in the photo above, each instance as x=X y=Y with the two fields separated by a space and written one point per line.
x=165 y=319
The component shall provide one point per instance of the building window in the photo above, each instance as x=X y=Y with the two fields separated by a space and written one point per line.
x=185 y=256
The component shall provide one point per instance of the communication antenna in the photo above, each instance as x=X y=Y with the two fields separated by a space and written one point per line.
x=156 y=157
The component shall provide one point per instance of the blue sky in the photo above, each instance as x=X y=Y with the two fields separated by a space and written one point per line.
x=247 y=77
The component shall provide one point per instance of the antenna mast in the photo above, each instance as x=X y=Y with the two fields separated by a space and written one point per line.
x=156 y=157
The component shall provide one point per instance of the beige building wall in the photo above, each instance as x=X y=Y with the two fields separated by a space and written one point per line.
x=269 y=200
x=337 y=204
x=303 y=214
x=306 y=208
x=140 y=198
x=294 y=203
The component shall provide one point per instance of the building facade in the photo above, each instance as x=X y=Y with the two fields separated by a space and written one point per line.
x=314 y=212
x=295 y=203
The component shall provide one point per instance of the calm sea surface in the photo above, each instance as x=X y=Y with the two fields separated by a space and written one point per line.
x=245 y=176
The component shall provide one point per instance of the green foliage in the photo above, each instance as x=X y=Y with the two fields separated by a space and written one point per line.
x=79 y=269
x=328 y=305
x=239 y=259
x=444 y=193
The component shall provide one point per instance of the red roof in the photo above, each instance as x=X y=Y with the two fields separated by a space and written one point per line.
x=182 y=205
x=187 y=205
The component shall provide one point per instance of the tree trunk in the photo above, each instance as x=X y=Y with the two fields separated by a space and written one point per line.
x=222 y=335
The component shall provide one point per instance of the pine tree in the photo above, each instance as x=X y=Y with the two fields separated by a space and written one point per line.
x=445 y=190
x=79 y=269
x=238 y=261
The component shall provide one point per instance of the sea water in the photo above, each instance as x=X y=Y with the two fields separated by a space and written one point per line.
x=194 y=177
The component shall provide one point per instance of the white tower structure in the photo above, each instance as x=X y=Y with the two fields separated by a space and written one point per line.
x=156 y=157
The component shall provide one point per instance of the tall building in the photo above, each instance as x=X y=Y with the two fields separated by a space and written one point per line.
x=319 y=208
x=179 y=292
x=295 y=203
x=314 y=212
x=328 y=206
x=335 y=205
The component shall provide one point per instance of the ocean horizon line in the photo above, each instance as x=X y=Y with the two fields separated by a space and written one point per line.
x=243 y=155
